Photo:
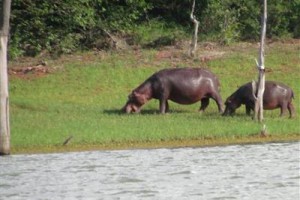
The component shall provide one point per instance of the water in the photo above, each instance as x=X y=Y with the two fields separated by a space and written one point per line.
x=268 y=171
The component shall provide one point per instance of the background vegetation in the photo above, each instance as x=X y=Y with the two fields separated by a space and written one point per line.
x=65 y=26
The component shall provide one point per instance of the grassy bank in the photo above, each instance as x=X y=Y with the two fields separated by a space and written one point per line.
x=82 y=95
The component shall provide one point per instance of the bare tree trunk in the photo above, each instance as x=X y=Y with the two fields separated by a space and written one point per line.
x=4 y=104
x=193 y=45
x=258 y=111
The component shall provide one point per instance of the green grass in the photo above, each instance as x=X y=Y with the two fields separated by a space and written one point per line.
x=83 y=99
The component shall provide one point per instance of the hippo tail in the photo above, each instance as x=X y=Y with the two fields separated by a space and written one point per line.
x=293 y=96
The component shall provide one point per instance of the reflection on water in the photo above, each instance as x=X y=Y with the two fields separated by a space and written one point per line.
x=269 y=171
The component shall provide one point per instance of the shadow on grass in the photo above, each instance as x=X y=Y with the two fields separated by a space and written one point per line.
x=143 y=112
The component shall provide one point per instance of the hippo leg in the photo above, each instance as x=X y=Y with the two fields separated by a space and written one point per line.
x=204 y=104
x=163 y=106
x=248 y=110
x=291 y=109
x=167 y=106
x=218 y=100
x=283 y=109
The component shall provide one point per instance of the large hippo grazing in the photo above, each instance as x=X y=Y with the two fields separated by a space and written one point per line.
x=276 y=95
x=180 y=85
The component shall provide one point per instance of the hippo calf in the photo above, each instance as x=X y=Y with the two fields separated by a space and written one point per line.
x=180 y=85
x=276 y=95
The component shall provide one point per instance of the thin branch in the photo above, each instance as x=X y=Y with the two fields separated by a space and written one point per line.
x=257 y=65
x=192 y=13
x=263 y=36
x=193 y=45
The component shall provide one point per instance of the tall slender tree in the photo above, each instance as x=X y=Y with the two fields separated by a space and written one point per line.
x=193 y=45
x=4 y=103
x=258 y=111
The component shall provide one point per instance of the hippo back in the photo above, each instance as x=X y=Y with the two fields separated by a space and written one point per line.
x=185 y=85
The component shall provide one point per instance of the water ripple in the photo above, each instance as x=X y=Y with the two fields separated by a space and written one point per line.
x=268 y=171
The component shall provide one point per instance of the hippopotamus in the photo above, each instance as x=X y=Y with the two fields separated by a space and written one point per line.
x=276 y=95
x=180 y=85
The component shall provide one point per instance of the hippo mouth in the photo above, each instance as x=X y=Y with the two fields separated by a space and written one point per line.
x=228 y=112
x=131 y=108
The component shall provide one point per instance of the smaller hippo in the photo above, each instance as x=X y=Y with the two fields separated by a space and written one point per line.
x=276 y=95
x=180 y=85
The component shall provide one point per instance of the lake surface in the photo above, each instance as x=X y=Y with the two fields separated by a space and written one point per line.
x=265 y=171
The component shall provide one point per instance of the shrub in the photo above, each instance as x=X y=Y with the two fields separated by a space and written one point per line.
x=64 y=26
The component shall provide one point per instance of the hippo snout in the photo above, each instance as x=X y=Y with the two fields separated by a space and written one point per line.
x=130 y=108
x=225 y=113
x=228 y=112
x=126 y=109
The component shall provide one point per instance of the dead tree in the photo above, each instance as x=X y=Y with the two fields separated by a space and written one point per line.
x=258 y=111
x=193 y=45
x=4 y=104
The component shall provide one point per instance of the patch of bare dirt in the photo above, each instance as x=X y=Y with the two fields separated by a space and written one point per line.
x=23 y=69
x=176 y=55
x=179 y=53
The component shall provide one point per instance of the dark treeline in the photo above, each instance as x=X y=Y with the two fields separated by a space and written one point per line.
x=64 y=26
